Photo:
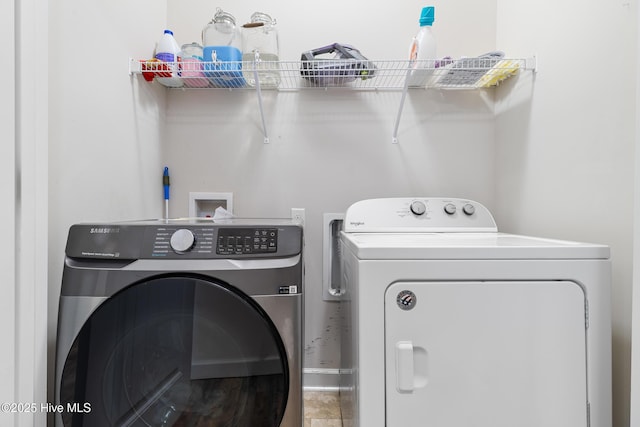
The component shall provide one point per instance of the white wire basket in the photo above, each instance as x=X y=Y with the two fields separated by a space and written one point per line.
x=464 y=73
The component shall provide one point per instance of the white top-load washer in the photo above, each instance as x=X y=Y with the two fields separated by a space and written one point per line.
x=449 y=323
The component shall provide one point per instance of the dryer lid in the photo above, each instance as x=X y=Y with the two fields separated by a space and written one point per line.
x=470 y=246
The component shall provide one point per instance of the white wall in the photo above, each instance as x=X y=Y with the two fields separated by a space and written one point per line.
x=7 y=213
x=105 y=126
x=565 y=145
x=635 y=304
x=23 y=155
x=330 y=149
x=380 y=30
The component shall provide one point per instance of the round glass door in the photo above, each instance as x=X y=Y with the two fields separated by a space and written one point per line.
x=176 y=351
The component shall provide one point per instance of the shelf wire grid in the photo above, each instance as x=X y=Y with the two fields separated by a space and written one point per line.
x=465 y=73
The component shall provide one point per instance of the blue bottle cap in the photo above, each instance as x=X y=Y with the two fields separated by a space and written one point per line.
x=168 y=32
x=426 y=17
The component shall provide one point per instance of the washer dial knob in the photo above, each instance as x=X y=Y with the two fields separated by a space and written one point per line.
x=469 y=209
x=182 y=240
x=418 y=208
x=450 y=208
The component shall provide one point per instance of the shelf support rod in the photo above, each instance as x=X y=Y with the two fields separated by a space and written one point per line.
x=405 y=88
x=256 y=59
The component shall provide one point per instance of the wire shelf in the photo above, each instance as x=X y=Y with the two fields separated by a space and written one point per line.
x=351 y=74
x=464 y=73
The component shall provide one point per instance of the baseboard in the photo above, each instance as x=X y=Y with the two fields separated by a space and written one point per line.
x=320 y=379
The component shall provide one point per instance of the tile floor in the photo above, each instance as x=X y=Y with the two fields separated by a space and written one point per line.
x=322 y=409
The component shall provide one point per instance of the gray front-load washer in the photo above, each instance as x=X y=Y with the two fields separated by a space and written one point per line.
x=181 y=322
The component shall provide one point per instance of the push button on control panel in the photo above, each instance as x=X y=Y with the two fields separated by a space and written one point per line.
x=245 y=241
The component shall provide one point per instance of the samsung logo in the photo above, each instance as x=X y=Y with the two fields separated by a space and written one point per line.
x=104 y=230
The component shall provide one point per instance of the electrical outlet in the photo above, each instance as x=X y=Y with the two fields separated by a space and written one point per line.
x=297 y=215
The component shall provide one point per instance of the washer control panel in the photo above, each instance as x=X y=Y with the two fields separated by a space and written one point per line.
x=221 y=241
x=418 y=215
x=185 y=239
x=238 y=241
x=169 y=240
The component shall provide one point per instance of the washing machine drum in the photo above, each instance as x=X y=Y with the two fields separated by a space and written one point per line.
x=176 y=351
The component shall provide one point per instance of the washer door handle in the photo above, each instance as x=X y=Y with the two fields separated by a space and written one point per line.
x=411 y=367
x=404 y=366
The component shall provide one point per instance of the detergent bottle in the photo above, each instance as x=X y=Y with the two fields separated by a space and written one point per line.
x=168 y=51
x=423 y=50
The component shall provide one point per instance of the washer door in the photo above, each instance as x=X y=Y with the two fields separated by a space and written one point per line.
x=486 y=354
x=176 y=351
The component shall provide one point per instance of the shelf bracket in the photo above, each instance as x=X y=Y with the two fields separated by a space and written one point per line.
x=256 y=59
x=405 y=88
x=135 y=67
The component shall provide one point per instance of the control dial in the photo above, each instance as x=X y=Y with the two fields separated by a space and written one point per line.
x=182 y=240
x=450 y=208
x=418 y=208
x=469 y=209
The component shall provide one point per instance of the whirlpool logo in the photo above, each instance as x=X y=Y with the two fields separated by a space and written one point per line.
x=356 y=223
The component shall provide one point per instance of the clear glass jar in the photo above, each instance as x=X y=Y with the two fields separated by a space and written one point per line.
x=191 y=65
x=261 y=50
x=222 y=54
x=221 y=31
